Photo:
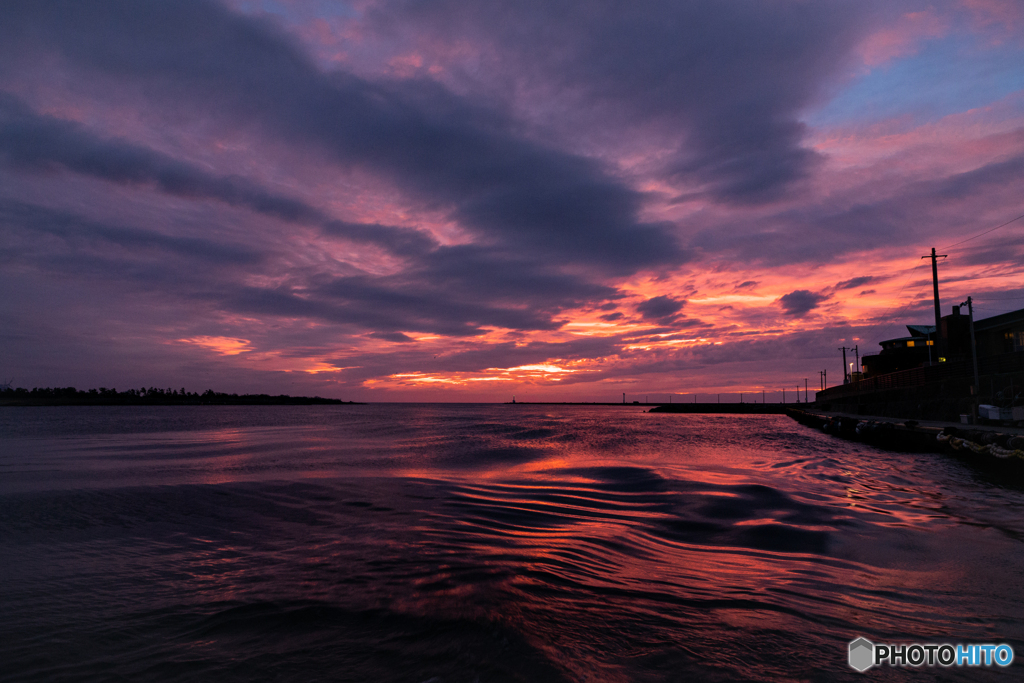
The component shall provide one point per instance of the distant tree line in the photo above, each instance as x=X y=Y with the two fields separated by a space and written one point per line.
x=69 y=396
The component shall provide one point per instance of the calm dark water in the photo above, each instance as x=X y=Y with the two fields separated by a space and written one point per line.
x=449 y=543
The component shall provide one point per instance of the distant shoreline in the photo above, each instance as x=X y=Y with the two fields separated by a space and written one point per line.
x=69 y=396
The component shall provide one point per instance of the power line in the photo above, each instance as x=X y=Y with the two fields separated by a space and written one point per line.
x=985 y=232
x=884 y=318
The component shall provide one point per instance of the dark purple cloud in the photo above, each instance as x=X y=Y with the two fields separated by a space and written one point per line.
x=423 y=300
x=84 y=237
x=963 y=185
x=178 y=170
x=29 y=141
x=660 y=308
x=436 y=145
x=801 y=302
x=854 y=283
x=43 y=143
x=735 y=75
x=890 y=215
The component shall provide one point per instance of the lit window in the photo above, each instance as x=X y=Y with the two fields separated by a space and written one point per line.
x=910 y=343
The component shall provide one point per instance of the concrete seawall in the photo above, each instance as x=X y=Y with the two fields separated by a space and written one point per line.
x=998 y=448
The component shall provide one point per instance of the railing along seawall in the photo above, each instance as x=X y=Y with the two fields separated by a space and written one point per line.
x=916 y=377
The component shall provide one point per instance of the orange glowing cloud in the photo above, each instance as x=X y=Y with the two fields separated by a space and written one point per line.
x=274 y=360
x=225 y=346
x=541 y=372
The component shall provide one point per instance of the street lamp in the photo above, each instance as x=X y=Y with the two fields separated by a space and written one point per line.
x=974 y=352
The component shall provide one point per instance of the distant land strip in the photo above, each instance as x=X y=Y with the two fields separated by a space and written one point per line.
x=69 y=396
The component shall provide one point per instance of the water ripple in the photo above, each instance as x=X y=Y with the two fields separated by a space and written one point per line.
x=473 y=543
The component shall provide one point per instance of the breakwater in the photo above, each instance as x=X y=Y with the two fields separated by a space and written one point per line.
x=982 y=447
x=724 y=408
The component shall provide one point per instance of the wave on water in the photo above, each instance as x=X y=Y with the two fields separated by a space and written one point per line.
x=474 y=543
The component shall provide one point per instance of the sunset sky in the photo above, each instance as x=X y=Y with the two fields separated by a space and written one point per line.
x=460 y=201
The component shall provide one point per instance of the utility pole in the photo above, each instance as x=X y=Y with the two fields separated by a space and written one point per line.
x=856 y=353
x=935 y=290
x=846 y=378
x=806 y=400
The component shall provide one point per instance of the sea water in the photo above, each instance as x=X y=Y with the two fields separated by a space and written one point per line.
x=462 y=543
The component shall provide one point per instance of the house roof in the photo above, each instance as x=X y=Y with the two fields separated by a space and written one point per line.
x=1000 y=320
x=900 y=339
x=994 y=322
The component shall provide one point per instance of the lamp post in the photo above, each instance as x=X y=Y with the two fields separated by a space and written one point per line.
x=974 y=355
x=846 y=377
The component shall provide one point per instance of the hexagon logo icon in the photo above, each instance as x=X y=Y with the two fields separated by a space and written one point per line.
x=862 y=654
